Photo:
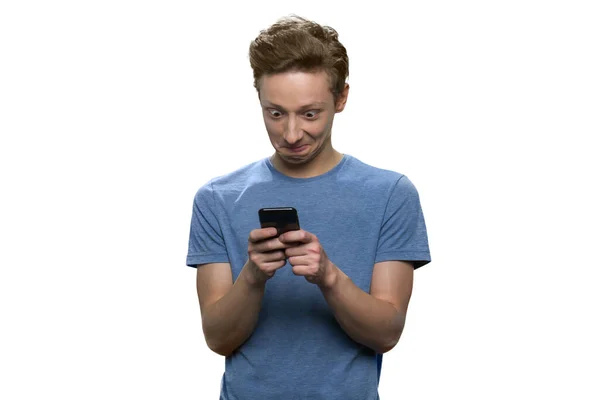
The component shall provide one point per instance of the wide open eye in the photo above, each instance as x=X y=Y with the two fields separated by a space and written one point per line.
x=312 y=114
x=274 y=113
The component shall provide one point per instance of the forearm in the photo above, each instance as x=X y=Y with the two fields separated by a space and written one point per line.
x=369 y=321
x=230 y=321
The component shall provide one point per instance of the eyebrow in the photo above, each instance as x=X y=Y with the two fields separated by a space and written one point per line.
x=305 y=107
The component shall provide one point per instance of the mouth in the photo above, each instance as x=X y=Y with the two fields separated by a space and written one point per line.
x=297 y=149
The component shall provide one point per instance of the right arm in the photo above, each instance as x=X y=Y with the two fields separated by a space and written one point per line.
x=230 y=310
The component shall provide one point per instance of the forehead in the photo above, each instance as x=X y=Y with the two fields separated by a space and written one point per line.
x=292 y=89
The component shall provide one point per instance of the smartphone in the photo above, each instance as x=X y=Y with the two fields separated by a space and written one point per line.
x=285 y=219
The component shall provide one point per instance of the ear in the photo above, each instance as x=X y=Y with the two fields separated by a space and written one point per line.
x=340 y=104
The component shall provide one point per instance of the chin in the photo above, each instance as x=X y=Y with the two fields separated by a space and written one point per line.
x=292 y=159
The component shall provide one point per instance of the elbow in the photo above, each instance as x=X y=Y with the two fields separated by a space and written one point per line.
x=390 y=341
x=387 y=346
x=216 y=342
x=218 y=347
x=221 y=351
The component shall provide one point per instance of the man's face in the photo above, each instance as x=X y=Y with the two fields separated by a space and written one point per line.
x=298 y=109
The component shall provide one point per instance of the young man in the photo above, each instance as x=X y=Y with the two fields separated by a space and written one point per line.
x=307 y=314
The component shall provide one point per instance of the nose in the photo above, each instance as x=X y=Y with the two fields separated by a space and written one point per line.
x=293 y=132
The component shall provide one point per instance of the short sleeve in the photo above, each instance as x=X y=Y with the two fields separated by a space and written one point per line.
x=403 y=235
x=206 y=243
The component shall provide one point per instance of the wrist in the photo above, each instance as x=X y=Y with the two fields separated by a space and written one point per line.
x=332 y=275
x=251 y=276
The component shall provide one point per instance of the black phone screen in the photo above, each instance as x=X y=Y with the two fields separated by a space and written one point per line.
x=285 y=219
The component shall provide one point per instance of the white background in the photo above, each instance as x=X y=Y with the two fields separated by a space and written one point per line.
x=114 y=113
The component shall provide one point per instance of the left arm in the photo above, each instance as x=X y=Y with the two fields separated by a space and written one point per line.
x=374 y=319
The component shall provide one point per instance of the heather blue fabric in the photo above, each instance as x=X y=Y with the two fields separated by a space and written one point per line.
x=362 y=215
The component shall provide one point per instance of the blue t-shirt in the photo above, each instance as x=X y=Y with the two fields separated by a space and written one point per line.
x=362 y=215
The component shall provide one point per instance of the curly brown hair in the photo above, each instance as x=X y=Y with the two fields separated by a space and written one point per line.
x=294 y=43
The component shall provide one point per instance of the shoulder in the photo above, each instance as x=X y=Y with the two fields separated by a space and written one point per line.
x=235 y=180
x=372 y=175
x=240 y=176
x=387 y=184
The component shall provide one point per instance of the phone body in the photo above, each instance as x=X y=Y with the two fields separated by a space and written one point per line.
x=285 y=219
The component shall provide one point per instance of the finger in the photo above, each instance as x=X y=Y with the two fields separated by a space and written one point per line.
x=300 y=260
x=295 y=251
x=300 y=236
x=273 y=256
x=271 y=245
x=300 y=270
x=273 y=266
x=258 y=235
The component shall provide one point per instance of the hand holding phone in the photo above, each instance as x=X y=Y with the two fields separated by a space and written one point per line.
x=266 y=254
